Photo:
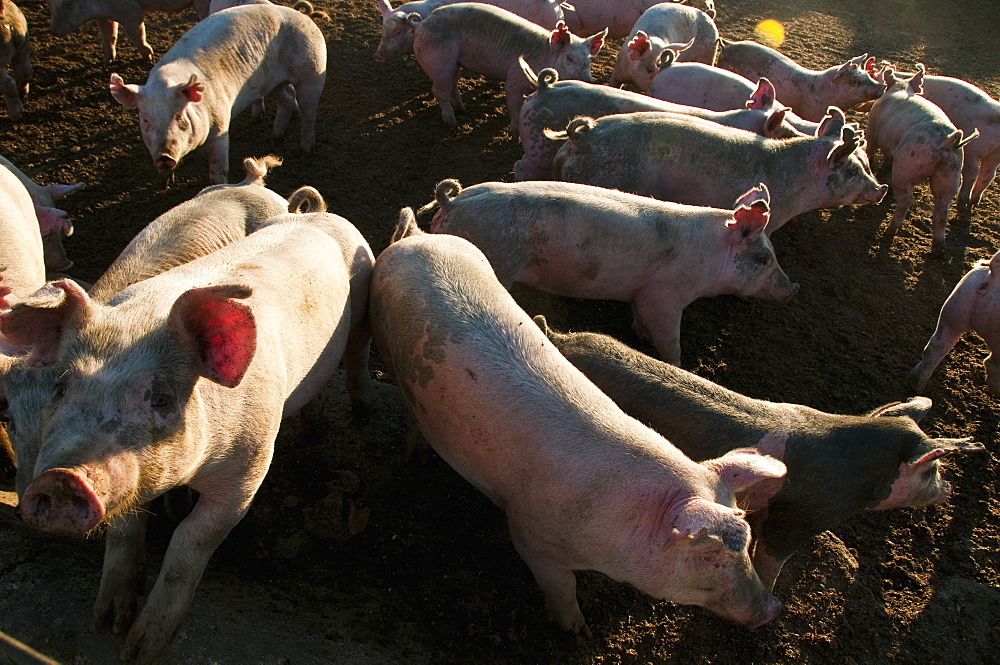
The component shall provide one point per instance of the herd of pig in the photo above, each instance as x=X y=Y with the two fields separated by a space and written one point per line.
x=232 y=310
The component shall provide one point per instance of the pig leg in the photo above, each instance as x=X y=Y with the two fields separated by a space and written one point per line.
x=992 y=364
x=10 y=97
x=136 y=33
x=557 y=583
x=944 y=187
x=307 y=94
x=217 y=148
x=123 y=574
x=970 y=177
x=194 y=541
x=516 y=90
x=21 y=67
x=902 y=189
x=442 y=67
x=987 y=172
x=938 y=346
x=285 y=105
x=661 y=320
x=109 y=39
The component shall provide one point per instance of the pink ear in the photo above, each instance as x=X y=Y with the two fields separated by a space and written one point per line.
x=560 y=35
x=772 y=126
x=223 y=331
x=763 y=97
x=638 y=45
x=41 y=319
x=929 y=456
x=126 y=95
x=751 y=213
x=597 y=41
x=193 y=90
x=742 y=468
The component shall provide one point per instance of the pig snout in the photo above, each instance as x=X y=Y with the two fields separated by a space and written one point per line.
x=62 y=501
x=377 y=58
x=873 y=195
x=164 y=163
x=786 y=292
x=770 y=609
x=763 y=607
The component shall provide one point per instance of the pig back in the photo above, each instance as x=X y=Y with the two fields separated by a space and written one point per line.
x=489 y=392
x=21 y=251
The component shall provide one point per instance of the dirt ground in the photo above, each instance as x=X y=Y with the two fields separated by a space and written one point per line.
x=348 y=555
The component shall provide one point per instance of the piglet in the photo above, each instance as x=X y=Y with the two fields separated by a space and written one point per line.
x=588 y=242
x=808 y=91
x=197 y=87
x=582 y=485
x=838 y=465
x=922 y=144
x=182 y=379
x=489 y=40
x=974 y=304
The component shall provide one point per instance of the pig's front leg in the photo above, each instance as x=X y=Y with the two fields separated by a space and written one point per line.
x=938 y=346
x=109 y=39
x=944 y=187
x=516 y=90
x=660 y=320
x=285 y=105
x=192 y=545
x=307 y=96
x=557 y=582
x=903 y=191
x=11 y=98
x=136 y=32
x=217 y=149
x=123 y=574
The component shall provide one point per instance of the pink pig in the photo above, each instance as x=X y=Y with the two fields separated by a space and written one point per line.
x=489 y=41
x=619 y=16
x=588 y=242
x=922 y=144
x=808 y=91
x=974 y=304
x=509 y=413
x=183 y=379
x=197 y=87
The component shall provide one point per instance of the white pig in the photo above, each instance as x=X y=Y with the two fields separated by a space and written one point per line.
x=619 y=16
x=15 y=52
x=68 y=15
x=164 y=386
x=197 y=87
x=397 y=30
x=490 y=41
x=974 y=305
x=588 y=242
x=582 y=485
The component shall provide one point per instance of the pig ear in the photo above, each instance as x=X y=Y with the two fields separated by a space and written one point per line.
x=763 y=97
x=841 y=152
x=916 y=83
x=851 y=65
x=126 y=95
x=222 y=331
x=560 y=37
x=832 y=124
x=942 y=447
x=193 y=90
x=742 y=468
x=542 y=324
x=751 y=213
x=916 y=408
x=41 y=319
x=774 y=122
x=638 y=46
x=597 y=41
x=384 y=8
x=59 y=191
x=995 y=266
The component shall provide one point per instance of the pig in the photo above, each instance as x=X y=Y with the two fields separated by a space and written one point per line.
x=68 y=15
x=217 y=216
x=219 y=5
x=197 y=87
x=53 y=223
x=619 y=16
x=582 y=485
x=397 y=30
x=489 y=40
x=838 y=465
x=15 y=53
x=974 y=304
x=587 y=242
x=163 y=386
x=666 y=25
x=556 y=102
x=22 y=266
x=917 y=137
x=808 y=91
x=694 y=161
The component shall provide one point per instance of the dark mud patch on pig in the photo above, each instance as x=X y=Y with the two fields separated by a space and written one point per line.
x=348 y=555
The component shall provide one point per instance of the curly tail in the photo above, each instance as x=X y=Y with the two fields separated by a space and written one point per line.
x=305 y=200
x=444 y=193
x=306 y=8
x=581 y=123
x=406 y=226
x=257 y=167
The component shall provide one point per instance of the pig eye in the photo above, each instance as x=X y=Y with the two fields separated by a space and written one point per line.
x=182 y=122
x=58 y=390
x=161 y=402
x=8 y=423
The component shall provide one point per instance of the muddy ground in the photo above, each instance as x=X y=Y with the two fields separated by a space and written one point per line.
x=348 y=555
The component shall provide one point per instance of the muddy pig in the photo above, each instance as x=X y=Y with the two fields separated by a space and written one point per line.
x=468 y=358
x=197 y=87
x=68 y=15
x=164 y=386
x=917 y=137
x=974 y=304
x=397 y=30
x=556 y=102
x=808 y=91
x=489 y=40
x=588 y=242
x=694 y=161
x=662 y=26
x=838 y=465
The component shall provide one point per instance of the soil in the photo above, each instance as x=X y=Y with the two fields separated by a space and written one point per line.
x=350 y=555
